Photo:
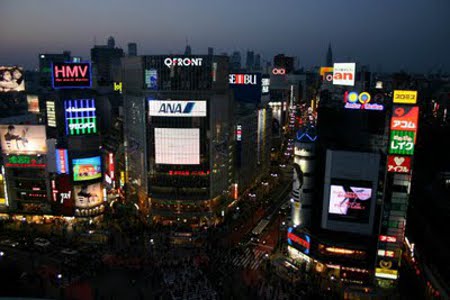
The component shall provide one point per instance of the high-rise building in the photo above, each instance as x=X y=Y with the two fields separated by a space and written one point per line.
x=187 y=50
x=235 y=63
x=250 y=60
x=105 y=59
x=284 y=62
x=179 y=136
x=45 y=65
x=132 y=49
x=329 y=58
x=257 y=65
x=210 y=51
x=111 y=42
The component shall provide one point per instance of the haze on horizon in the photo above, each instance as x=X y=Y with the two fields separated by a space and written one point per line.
x=405 y=34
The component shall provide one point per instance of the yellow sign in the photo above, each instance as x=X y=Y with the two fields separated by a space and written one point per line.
x=407 y=97
x=324 y=70
x=118 y=87
x=379 y=271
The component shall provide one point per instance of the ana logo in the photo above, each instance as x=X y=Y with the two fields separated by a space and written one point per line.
x=175 y=108
x=185 y=62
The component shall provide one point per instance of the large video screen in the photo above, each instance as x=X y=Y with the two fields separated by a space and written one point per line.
x=71 y=75
x=350 y=200
x=177 y=146
x=80 y=116
x=11 y=79
x=88 y=168
x=88 y=195
x=25 y=139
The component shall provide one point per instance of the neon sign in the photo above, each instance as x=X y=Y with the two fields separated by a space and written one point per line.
x=188 y=173
x=62 y=161
x=304 y=242
x=353 y=100
x=71 y=75
x=407 y=97
x=80 y=116
x=402 y=142
x=387 y=239
x=238 y=133
x=185 y=62
x=24 y=161
x=278 y=71
x=399 y=164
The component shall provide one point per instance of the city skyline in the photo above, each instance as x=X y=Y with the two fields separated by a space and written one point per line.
x=387 y=36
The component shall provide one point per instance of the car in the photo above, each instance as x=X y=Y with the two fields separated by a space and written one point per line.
x=41 y=242
x=9 y=243
x=69 y=251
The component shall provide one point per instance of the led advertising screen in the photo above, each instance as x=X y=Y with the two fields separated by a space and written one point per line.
x=51 y=115
x=33 y=103
x=406 y=97
x=344 y=74
x=88 y=195
x=80 y=116
x=11 y=79
x=88 y=168
x=177 y=108
x=71 y=75
x=62 y=161
x=177 y=146
x=405 y=118
x=402 y=142
x=350 y=200
x=246 y=87
x=399 y=164
x=25 y=161
x=23 y=139
x=151 y=79
x=300 y=241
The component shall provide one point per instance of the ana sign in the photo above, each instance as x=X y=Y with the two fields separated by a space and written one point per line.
x=344 y=74
x=177 y=108
x=184 y=62
x=399 y=164
x=71 y=75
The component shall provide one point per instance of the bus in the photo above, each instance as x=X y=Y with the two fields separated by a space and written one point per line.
x=256 y=232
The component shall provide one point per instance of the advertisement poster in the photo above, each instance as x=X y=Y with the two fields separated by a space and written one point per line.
x=405 y=118
x=344 y=74
x=81 y=117
x=88 y=195
x=350 y=202
x=399 y=164
x=33 y=103
x=88 y=168
x=23 y=139
x=11 y=79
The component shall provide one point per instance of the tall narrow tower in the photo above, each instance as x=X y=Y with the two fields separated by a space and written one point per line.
x=329 y=59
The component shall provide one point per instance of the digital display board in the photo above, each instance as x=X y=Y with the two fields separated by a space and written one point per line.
x=300 y=241
x=24 y=161
x=11 y=79
x=344 y=74
x=71 y=75
x=402 y=142
x=88 y=168
x=62 y=161
x=177 y=146
x=151 y=79
x=88 y=195
x=25 y=139
x=405 y=118
x=177 y=108
x=33 y=103
x=405 y=97
x=350 y=200
x=80 y=116
x=246 y=87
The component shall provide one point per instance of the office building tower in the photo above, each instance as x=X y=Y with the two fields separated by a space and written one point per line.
x=105 y=60
x=250 y=60
x=284 y=62
x=132 y=49
x=235 y=63
x=329 y=58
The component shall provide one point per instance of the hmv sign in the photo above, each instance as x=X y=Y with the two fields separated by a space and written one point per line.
x=71 y=75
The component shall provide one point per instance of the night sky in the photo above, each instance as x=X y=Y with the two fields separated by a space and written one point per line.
x=388 y=35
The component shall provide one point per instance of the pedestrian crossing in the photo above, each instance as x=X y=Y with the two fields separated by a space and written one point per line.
x=249 y=258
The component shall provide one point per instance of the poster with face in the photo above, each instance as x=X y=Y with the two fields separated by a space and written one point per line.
x=88 y=195
x=11 y=79
x=350 y=202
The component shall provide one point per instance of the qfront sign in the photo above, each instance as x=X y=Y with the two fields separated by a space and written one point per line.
x=344 y=74
x=399 y=164
x=71 y=75
x=177 y=108
x=183 y=62
x=80 y=116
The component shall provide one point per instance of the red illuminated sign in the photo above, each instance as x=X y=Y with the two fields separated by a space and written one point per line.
x=243 y=79
x=111 y=165
x=387 y=239
x=188 y=173
x=298 y=240
x=71 y=75
x=405 y=118
x=399 y=164
x=278 y=71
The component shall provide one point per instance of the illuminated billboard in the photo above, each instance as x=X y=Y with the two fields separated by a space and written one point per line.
x=11 y=79
x=402 y=142
x=405 y=118
x=117 y=86
x=88 y=195
x=300 y=241
x=25 y=139
x=151 y=79
x=399 y=164
x=183 y=61
x=405 y=97
x=71 y=75
x=177 y=108
x=344 y=74
x=33 y=103
x=355 y=100
x=350 y=200
x=265 y=84
x=246 y=87
x=88 y=168
x=51 y=115
x=24 y=161
x=62 y=161
x=177 y=146
x=80 y=116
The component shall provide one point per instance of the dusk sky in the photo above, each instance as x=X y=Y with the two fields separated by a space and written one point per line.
x=394 y=34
